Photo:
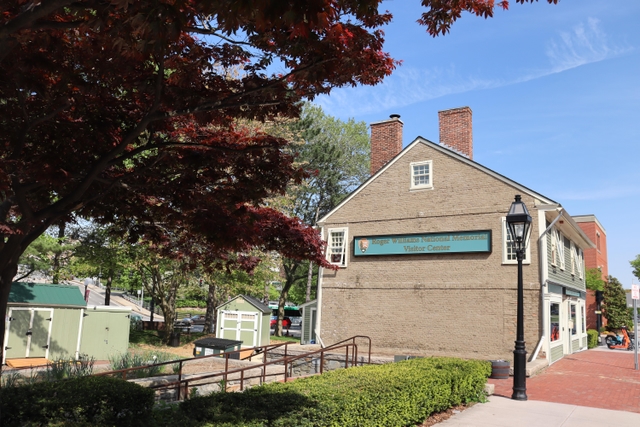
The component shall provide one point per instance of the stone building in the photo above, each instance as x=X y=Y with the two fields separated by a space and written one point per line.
x=425 y=262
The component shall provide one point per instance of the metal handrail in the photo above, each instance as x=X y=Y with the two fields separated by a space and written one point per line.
x=286 y=361
x=183 y=385
x=353 y=340
x=256 y=350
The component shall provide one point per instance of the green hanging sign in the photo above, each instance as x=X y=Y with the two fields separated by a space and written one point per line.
x=425 y=243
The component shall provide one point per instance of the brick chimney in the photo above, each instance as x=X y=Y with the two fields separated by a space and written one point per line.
x=456 y=131
x=386 y=141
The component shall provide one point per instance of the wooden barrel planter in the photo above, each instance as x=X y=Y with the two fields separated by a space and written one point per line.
x=499 y=369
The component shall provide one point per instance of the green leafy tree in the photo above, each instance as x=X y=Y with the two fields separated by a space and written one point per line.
x=336 y=154
x=47 y=255
x=614 y=306
x=594 y=279
x=103 y=254
x=635 y=264
x=225 y=283
x=38 y=257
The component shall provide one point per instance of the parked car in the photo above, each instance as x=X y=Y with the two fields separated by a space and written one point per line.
x=286 y=322
x=196 y=319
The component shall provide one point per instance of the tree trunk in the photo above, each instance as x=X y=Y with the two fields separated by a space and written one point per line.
x=6 y=277
x=209 y=317
x=284 y=294
x=168 y=303
x=107 y=291
x=152 y=305
x=56 y=257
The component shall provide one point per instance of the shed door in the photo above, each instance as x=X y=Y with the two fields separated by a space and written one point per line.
x=17 y=341
x=40 y=329
x=240 y=326
x=29 y=332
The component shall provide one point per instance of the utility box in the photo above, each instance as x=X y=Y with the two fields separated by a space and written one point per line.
x=211 y=346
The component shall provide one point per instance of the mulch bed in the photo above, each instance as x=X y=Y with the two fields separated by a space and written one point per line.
x=444 y=415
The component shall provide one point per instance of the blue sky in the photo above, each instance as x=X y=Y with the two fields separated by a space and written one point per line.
x=555 y=94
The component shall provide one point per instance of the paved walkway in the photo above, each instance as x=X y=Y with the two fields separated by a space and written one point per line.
x=598 y=387
x=598 y=378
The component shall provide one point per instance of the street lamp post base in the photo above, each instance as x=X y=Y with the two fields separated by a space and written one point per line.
x=519 y=372
x=519 y=395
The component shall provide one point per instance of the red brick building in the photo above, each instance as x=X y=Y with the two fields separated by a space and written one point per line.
x=594 y=258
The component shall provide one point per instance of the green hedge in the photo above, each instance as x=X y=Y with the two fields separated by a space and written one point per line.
x=190 y=303
x=592 y=338
x=98 y=401
x=398 y=394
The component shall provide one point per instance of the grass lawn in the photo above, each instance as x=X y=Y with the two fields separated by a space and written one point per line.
x=153 y=338
x=284 y=339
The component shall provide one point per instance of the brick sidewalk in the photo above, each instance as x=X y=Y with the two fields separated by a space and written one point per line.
x=599 y=378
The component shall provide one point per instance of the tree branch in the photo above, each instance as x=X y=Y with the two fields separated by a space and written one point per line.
x=212 y=32
x=27 y=19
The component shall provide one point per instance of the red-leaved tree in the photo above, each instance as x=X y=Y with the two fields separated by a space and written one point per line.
x=122 y=110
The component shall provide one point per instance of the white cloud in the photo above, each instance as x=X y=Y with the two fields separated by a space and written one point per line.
x=584 y=44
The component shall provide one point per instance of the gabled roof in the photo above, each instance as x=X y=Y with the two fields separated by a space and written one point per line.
x=448 y=152
x=251 y=300
x=306 y=304
x=45 y=294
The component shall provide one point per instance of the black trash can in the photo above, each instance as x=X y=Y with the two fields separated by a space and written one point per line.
x=174 y=339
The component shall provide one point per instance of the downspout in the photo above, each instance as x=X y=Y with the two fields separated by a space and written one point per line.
x=319 y=298
x=80 y=333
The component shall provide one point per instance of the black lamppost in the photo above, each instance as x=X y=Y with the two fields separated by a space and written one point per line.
x=519 y=221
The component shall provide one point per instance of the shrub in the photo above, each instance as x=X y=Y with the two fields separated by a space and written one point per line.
x=85 y=400
x=145 y=358
x=190 y=303
x=592 y=338
x=397 y=394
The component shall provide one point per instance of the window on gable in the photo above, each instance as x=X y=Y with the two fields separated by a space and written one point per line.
x=574 y=260
x=557 y=249
x=508 y=252
x=579 y=263
x=422 y=175
x=337 y=248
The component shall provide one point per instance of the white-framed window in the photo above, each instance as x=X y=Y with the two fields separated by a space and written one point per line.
x=421 y=175
x=574 y=258
x=561 y=253
x=557 y=249
x=508 y=252
x=579 y=263
x=337 y=239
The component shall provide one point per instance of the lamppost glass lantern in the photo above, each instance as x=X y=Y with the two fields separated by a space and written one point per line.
x=519 y=222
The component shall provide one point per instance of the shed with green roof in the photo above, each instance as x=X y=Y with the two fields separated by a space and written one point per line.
x=53 y=321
